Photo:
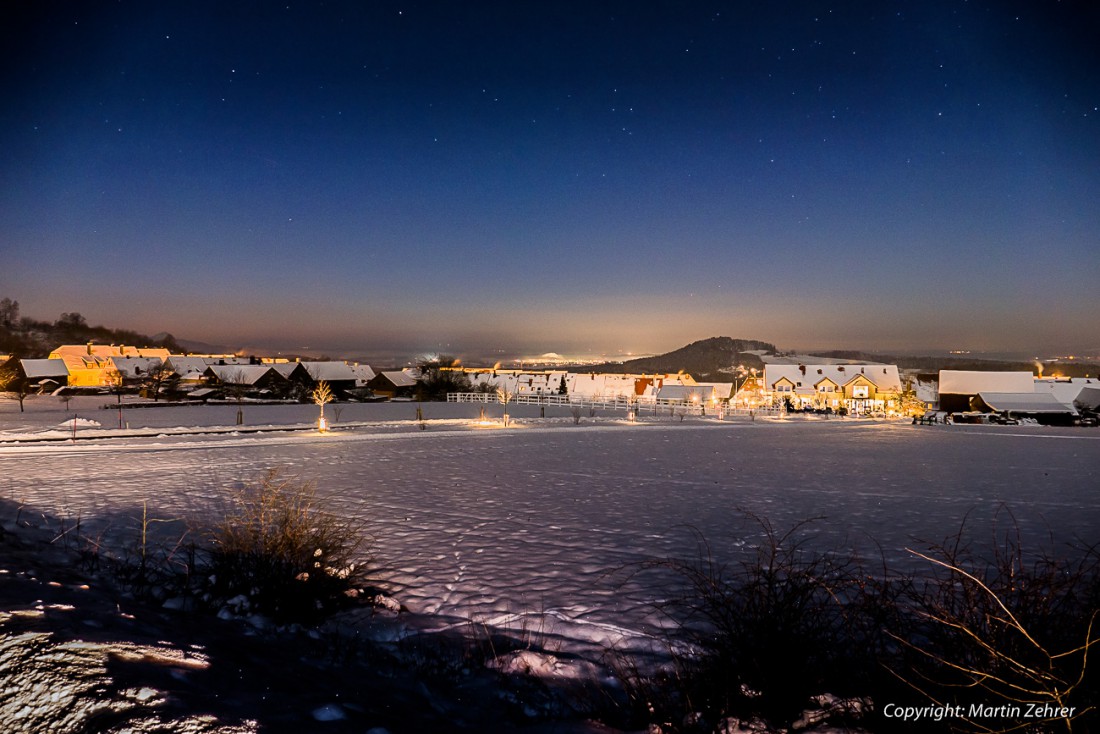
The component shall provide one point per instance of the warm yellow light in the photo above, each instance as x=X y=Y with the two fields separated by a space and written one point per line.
x=322 y=425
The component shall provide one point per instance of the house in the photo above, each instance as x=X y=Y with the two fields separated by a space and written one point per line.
x=518 y=382
x=609 y=386
x=1088 y=399
x=1065 y=390
x=339 y=375
x=252 y=378
x=363 y=374
x=90 y=365
x=703 y=395
x=1041 y=407
x=858 y=388
x=584 y=386
x=721 y=391
x=134 y=369
x=959 y=387
x=393 y=384
x=43 y=374
x=191 y=369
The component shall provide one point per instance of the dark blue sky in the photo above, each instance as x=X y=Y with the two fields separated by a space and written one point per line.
x=578 y=176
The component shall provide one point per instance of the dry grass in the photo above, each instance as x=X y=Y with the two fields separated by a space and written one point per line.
x=279 y=548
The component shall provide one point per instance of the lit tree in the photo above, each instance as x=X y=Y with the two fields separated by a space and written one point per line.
x=632 y=406
x=322 y=394
x=908 y=402
x=504 y=396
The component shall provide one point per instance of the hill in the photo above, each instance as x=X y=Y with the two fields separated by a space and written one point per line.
x=711 y=359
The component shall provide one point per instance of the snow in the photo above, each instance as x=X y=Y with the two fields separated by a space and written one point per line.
x=542 y=529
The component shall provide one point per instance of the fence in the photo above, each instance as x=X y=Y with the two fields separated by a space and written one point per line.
x=641 y=405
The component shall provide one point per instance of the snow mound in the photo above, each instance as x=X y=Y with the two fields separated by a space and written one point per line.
x=79 y=423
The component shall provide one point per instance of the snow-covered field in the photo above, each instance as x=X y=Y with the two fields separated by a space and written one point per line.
x=538 y=527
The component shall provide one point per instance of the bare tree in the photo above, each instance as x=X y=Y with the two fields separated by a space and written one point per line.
x=158 y=377
x=11 y=380
x=115 y=383
x=9 y=312
x=233 y=382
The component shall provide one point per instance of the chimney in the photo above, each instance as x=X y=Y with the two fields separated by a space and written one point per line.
x=802 y=368
x=89 y=348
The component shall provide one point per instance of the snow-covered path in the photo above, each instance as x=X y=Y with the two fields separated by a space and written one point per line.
x=537 y=528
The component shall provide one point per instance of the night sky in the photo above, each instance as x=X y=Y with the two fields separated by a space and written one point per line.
x=357 y=177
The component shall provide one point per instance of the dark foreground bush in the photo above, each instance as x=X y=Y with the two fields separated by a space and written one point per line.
x=790 y=635
x=1005 y=637
x=768 y=632
x=289 y=559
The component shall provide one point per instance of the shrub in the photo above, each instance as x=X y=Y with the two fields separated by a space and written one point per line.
x=1006 y=630
x=292 y=560
x=770 y=631
x=773 y=636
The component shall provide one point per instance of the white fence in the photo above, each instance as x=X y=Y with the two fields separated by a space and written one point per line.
x=642 y=405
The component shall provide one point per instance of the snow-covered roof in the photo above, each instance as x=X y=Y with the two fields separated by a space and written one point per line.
x=883 y=376
x=1065 y=391
x=399 y=379
x=135 y=366
x=1025 y=402
x=722 y=389
x=687 y=393
x=329 y=371
x=602 y=385
x=970 y=382
x=105 y=351
x=181 y=365
x=1089 y=398
x=37 y=368
x=240 y=374
x=286 y=369
x=363 y=374
x=92 y=350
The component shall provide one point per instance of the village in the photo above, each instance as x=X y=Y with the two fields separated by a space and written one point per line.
x=786 y=384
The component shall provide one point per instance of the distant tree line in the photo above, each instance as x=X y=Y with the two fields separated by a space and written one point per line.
x=29 y=338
